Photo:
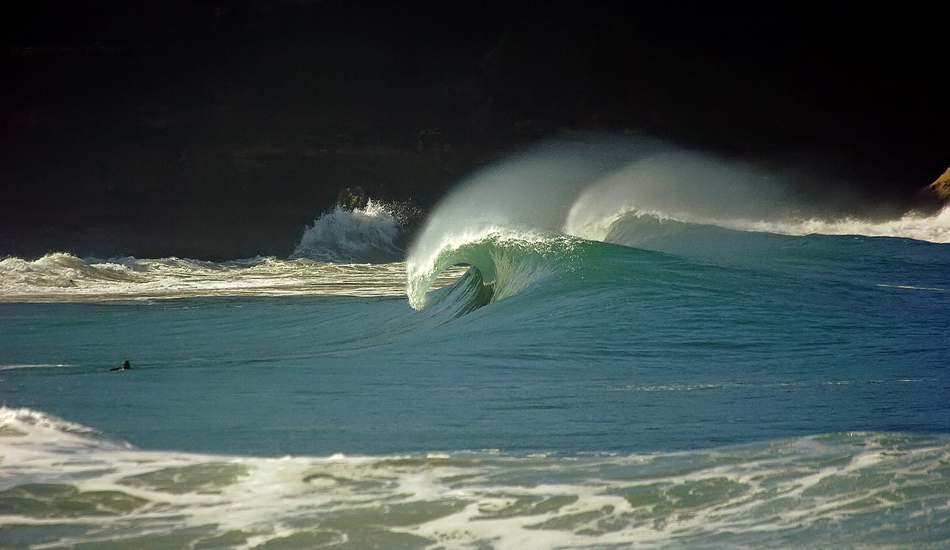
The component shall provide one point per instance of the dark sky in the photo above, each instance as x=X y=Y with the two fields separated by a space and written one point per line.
x=219 y=129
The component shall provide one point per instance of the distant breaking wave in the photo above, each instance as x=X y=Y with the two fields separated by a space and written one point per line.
x=345 y=253
x=920 y=226
x=363 y=235
x=505 y=220
x=61 y=277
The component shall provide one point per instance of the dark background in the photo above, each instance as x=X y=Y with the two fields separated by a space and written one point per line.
x=220 y=129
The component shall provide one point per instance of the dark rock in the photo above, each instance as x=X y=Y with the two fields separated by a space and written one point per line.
x=352 y=198
x=941 y=187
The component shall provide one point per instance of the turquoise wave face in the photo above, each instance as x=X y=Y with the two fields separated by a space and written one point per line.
x=516 y=221
x=503 y=264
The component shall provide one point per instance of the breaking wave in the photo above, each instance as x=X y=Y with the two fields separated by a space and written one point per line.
x=501 y=264
x=507 y=220
x=62 y=277
x=70 y=486
x=362 y=235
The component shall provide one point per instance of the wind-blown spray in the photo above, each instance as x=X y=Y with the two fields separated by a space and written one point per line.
x=605 y=189
x=362 y=235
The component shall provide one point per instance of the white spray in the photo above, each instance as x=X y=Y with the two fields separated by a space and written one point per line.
x=583 y=186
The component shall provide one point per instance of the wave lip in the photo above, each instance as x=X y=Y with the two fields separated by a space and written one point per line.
x=501 y=262
x=515 y=205
x=28 y=427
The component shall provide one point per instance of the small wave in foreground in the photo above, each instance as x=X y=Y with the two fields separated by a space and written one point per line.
x=804 y=492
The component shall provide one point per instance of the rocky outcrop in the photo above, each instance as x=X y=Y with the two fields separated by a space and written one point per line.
x=352 y=198
x=941 y=187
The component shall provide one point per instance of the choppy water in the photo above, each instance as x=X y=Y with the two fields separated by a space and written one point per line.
x=577 y=352
x=74 y=489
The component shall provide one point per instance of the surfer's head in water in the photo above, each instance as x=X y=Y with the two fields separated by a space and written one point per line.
x=125 y=366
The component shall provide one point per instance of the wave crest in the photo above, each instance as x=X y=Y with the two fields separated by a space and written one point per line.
x=920 y=226
x=629 y=225
x=42 y=428
x=362 y=235
x=630 y=192
x=501 y=264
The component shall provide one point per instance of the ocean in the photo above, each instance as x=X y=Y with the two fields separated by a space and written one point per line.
x=598 y=344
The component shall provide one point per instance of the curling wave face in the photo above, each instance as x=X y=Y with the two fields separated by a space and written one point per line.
x=508 y=218
x=501 y=264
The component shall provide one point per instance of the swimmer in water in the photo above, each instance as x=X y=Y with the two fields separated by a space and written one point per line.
x=125 y=366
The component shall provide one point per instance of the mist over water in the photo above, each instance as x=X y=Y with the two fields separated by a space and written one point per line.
x=677 y=186
x=528 y=192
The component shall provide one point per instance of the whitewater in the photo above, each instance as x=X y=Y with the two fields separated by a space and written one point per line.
x=594 y=343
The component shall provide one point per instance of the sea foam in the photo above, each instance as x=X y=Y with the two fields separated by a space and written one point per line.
x=61 y=277
x=798 y=492
x=362 y=235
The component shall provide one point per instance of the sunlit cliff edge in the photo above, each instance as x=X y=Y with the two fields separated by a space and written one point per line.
x=941 y=187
